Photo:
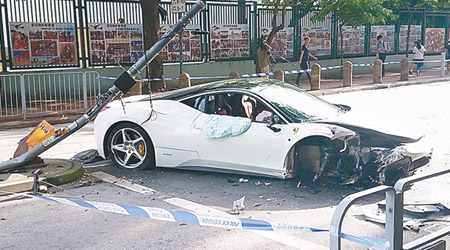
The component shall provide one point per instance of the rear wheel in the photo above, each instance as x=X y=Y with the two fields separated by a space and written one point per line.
x=130 y=147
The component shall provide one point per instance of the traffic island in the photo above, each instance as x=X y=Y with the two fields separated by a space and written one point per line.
x=54 y=171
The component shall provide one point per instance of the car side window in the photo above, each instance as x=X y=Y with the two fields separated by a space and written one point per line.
x=198 y=103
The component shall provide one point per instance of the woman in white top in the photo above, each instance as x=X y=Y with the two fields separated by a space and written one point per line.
x=418 y=57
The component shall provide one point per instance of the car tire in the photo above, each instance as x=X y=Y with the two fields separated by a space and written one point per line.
x=130 y=147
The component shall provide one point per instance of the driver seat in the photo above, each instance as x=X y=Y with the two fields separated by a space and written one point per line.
x=223 y=108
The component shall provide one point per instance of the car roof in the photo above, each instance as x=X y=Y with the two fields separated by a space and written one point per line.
x=250 y=84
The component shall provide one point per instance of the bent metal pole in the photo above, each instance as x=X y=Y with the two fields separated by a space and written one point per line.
x=121 y=85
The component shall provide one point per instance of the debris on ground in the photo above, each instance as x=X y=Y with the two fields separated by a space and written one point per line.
x=43 y=189
x=256 y=204
x=242 y=180
x=87 y=156
x=238 y=206
x=414 y=215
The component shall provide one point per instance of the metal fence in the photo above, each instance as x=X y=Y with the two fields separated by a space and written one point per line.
x=47 y=93
x=81 y=14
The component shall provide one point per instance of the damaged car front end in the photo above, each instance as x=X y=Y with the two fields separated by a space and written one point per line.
x=340 y=145
x=360 y=155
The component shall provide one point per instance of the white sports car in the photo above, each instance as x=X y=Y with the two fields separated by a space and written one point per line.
x=253 y=126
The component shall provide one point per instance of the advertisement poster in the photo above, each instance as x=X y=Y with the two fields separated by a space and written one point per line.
x=434 y=40
x=416 y=34
x=191 y=45
x=320 y=44
x=115 y=43
x=230 y=41
x=387 y=31
x=353 y=40
x=178 y=6
x=43 y=44
x=283 y=42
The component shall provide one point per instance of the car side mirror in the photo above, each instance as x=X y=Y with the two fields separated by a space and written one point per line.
x=274 y=119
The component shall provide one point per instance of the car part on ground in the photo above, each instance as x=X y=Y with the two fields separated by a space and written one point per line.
x=120 y=85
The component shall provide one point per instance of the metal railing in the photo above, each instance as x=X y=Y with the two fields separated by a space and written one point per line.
x=47 y=93
x=394 y=214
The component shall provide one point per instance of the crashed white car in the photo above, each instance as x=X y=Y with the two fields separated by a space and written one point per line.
x=253 y=126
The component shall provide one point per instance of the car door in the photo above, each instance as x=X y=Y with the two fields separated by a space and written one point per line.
x=259 y=149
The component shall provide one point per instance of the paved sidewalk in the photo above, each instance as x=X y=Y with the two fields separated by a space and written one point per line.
x=328 y=87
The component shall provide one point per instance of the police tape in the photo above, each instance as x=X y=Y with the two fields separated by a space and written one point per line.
x=209 y=220
x=286 y=72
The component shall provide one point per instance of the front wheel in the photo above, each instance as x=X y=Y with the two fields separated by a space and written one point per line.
x=130 y=147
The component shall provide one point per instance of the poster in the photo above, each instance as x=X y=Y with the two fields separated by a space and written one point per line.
x=115 y=43
x=43 y=44
x=191 y=45
x=283 y=42
x=230 y=41
x=416 y=34
x=320 y=43
x=354 y=39
x=178 y=6
x=434 y=40
x=388 y=33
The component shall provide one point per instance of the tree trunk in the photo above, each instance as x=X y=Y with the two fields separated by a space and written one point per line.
x=409 y=27
x=342 y=42
x=151 y=35
x=341 y=36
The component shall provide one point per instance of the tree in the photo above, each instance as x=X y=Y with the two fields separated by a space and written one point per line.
x=410 y=5
x=150 y=16
x=353 y=13
x=280 y=7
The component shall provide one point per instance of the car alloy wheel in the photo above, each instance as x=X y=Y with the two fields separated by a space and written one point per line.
x=130 y=147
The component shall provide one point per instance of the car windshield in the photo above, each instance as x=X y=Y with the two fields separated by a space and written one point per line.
x=297 y=104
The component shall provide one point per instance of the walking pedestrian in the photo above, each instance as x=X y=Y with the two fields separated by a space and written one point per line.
x=447 y=55
x=305 y=56
x=418 y=57
x=382 y=48
x=263 y=56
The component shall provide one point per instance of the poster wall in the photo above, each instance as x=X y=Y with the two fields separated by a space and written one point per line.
x=387 y=31
x=415 y=34
x=320 y=44
x=434 y=40
x=115 y=43
x=283 y=42
x=191 y=45
x=43 y=44
x=230 y=41
x=354 y=39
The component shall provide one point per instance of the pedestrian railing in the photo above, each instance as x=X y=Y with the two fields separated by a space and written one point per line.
x=394 y=215
x=47 y=93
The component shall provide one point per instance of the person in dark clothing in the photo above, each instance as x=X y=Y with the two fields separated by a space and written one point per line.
x=447 y=55
x=382 y=48
x=305 y=56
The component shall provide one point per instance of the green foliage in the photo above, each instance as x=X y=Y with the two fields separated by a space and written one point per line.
x=354 y=12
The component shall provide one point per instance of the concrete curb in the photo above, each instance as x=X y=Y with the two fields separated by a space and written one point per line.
x=55 y=171
x=375 y=86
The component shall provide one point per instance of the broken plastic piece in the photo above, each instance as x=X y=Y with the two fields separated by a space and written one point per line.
x=238 y=206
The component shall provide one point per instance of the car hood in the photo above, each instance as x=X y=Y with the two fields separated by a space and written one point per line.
x=375 y=132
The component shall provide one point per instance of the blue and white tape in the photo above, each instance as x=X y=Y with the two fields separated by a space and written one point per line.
x=210 y=220
x=184 y=216
x=256 y=75
x=332 y=67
